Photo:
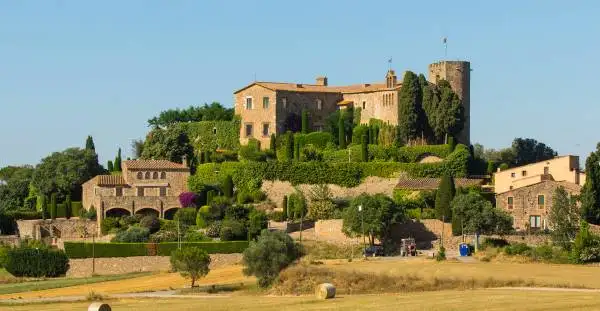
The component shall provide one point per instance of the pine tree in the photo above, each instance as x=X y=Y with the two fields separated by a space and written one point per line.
x=89 y=144
x=109 y=166
x=409 y=106
x=304 y=121
x=228 y=186
x=341 y=131
x=284 y=205
x=289 y=150
x=364 y=148
x=68 y=207
x=273 y=143
x=53 y=206
x=444 y=196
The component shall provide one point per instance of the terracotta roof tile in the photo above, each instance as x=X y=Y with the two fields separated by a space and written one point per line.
x=110 y=180
x=299 y=87
x=433 y=183
x=153 y=165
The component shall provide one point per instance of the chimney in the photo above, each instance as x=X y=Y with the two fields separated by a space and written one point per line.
x=322 y=81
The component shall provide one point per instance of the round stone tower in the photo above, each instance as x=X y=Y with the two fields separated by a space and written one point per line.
x=458 y=74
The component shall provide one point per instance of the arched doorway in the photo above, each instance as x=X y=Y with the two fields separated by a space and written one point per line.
x=170 y=213
x=147 y=211
x=117 y=212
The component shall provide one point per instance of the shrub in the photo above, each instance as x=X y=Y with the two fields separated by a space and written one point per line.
x=188 y=199
x=191 y=262
x=3 y=254
x=108 y=224
x=518 y=249
x=257 y=221
x=317 y=139
x=228 y=186
x=586 y=247
x=232 y=230
x=413 y=213
x=428 y=213
x=186 y=216
x=237 y=212
x=271 y=253
x=276 y=216
x=494 y=242
x=151 y=223
x=164 y=236
x=214 y=229
x=36 y=262
x=132 y=235
x=441 y=254
x=195 y=236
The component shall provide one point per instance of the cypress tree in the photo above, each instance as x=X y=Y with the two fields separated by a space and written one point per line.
x=207 y=156
x=284 y=205
x=53 y=207
x=68 y=207
x=443 y=197
x=297 y=150
x=273 y=143
x=89 y=144
x=304 y=121
x=228 y=186
x=289 y=150
x=117 y=164
x=109 y=166
x=409 y=106
x=341 y=132
x=44 y=205
x=210 y=194
x=364 y=148
x=376 y=135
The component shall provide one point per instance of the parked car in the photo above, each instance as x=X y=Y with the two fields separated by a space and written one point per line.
x=373 y=251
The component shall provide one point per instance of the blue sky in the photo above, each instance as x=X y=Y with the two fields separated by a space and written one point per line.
x=69 y=69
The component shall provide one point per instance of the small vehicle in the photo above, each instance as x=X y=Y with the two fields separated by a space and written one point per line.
x=373 y=251
x=408 y=247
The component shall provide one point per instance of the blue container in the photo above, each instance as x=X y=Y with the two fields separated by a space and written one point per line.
x=463 y=249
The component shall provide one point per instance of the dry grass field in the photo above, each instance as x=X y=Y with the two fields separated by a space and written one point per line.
x=443 y=300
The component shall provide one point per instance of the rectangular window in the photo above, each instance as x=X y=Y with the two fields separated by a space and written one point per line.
x=541 y=200
x=249 y=130
x=509 y=202
x=248 y=103
x=284 y=102
x=364 y=105
x=524 y=173
x=265 y=102
x=535 y=221
x=118 y=192
x=265 y=129
x=163 y=191
x=319 y=104
x=140 y=191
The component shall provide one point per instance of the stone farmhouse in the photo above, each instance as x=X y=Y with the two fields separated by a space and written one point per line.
x=265 y=107
x=526 y=191
x=144 y=187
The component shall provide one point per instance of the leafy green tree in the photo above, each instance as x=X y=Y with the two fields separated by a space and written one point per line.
x=212 y=112
x=590 y=194
x=305 y=128
x=378 y=214
x=364 y=149
x=137 y=148
x=257 y=222
x=443 y=110
x=53 y=206
x=443 y=198
x=341 y=132
x=171 y=144
x=228 y=186
x=472 y=213
x=89 y=144
x=64 y=172
x=296 y=206
x=271 y=253
x=273 y=143
x=109 y=166
x=191 y=262
x=321 y=204
x=563 y=218
x=529 y=150
x=15 y=186
x=409 y=106
x=586 y=247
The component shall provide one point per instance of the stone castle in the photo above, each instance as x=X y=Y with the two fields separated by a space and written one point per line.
x=265 y=107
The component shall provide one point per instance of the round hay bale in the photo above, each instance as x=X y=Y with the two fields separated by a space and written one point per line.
x=99 y=306
x=325 y=291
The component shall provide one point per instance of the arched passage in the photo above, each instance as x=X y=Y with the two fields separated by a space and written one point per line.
x=147 y=211
x=170 y=213
x=117 y=212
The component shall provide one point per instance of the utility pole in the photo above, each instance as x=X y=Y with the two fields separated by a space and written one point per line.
x=93 y=253
x=301 y=219
x=362 y=224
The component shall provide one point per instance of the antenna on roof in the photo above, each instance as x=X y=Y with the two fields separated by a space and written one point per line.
x=255 y=77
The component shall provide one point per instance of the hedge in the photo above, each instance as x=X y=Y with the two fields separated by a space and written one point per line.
x=84 y=250
x=75 y=208
x=203 y=137
x=318 y=139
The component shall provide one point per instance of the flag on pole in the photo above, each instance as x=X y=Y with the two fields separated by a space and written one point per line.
x=390 y=60
x=444 y=40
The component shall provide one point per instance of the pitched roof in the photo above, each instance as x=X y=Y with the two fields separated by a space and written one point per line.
x=109 y=180
x=433 y=183
x=153 y=165
x=543 y=180
x=299 y=87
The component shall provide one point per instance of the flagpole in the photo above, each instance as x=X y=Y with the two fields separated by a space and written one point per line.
x=445 y=41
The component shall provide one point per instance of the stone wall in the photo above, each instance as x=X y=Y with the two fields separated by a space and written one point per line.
x=9 y=239
x=58 y=228
x=121 y=265
x=275 y=190
x=373 y=106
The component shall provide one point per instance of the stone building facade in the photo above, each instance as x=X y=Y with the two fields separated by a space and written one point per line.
x=144 y=187
x=266 y=107
x=529 y=205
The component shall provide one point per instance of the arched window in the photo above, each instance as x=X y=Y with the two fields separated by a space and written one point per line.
x=155 y=175
x=163 y=175
x=147 y=175
x=140 y=175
